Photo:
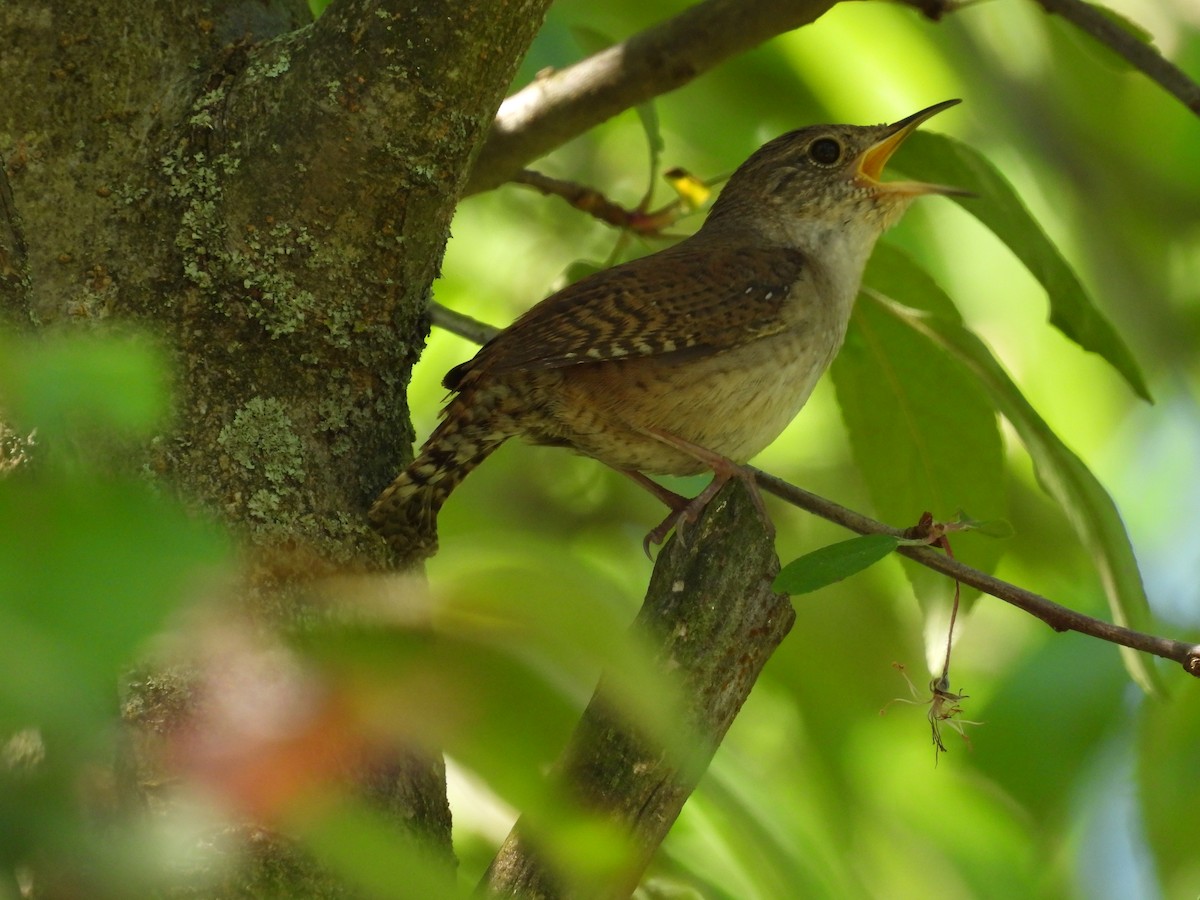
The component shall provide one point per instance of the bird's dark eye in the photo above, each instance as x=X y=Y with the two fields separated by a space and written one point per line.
x=825 y=151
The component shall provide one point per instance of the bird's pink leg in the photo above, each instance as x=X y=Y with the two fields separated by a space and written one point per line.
x=684 y=511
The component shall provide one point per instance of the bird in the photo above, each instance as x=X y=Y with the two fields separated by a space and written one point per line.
x=689 y=360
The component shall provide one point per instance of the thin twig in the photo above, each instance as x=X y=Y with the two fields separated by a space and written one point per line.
x=1058 y=617
x=461 y=324
x=595 y=204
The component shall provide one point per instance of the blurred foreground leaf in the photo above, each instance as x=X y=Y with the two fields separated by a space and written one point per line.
x=90 y=566
x=67 y=381
x=497 y=710
x=369 y=851
x=89 y=569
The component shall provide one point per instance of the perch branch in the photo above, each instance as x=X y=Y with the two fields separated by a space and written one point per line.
x=1058 y=617
x=714 y=621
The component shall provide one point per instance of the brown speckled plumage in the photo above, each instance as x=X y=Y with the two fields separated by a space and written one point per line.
x=716 y=342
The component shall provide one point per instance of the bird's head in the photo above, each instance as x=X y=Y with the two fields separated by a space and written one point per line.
x=825 y=177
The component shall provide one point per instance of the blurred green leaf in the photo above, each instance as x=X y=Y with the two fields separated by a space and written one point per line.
x=1168 y=738
x=993 y=528
x=1061 y=474
x=580 y=269
x=498 y=711
x=833 y=563
x=592 y=42
x=374 y=854
x=648 y=116
x=1047 y=718
x=89 y=569
x=943 y=160
x=66 y=382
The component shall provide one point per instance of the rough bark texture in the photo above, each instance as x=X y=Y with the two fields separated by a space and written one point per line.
x=271 y=198
x=712 y=615
x=14 y=273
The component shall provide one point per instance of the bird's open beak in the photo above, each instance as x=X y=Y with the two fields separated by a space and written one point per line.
x=875 y=157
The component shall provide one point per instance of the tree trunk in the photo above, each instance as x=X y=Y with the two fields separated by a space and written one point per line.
x=270 y=197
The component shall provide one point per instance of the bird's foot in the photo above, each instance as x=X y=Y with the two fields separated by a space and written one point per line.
x=683 y=515
x=684 y=512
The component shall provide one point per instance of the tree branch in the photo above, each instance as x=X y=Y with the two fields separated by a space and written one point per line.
x=461 y=324
x=562 y=105
x=715 y=620
x=1058 y=617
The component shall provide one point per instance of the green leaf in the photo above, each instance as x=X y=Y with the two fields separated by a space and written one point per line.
x=89 y=569
x=374 y=853
x=1168 y=734
x=823 y=567
x=1060 y=472
x=924 y=434
x=1097 y=45
x=67 y=382
x=581 y=269
x=943 y=160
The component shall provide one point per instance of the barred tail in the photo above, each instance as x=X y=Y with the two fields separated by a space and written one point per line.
x=406 y=512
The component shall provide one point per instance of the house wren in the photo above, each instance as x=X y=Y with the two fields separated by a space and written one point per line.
x=691 y=359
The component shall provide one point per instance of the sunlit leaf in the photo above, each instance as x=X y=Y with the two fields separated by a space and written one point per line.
x=924 y=434
x=1061 y=474
x=937 y=158
x=823 y=567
